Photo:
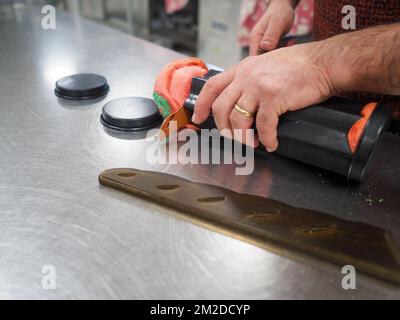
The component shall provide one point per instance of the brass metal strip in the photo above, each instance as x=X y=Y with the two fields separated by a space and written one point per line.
x=270 y=224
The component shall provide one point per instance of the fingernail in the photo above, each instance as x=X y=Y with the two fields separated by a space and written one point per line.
x=194 y=118
x=270 y=150
x=265 y=45
x=227 y=134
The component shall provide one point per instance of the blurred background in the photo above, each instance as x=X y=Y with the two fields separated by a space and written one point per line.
x=215 y=30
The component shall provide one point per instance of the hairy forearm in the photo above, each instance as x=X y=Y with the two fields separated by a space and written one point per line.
x=366 y=60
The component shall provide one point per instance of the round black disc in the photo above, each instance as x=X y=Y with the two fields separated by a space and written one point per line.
x=81 y=86
x=131 y=114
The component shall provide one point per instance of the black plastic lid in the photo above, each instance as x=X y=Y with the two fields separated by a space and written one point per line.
x=81 y=86
x=131 y=114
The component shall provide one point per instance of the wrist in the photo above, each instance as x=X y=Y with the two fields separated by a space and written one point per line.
x=365 y=60
x=331 y=57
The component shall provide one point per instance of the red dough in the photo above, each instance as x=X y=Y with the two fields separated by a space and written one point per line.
x=357 y=130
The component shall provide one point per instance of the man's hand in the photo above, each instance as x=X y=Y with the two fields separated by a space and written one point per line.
x=296 y=77
x=283 y=80
x=275 y=23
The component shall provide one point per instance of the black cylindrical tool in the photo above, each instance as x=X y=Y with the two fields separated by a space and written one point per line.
x=318 y=135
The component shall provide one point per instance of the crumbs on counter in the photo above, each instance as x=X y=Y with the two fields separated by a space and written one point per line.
x=368 y=197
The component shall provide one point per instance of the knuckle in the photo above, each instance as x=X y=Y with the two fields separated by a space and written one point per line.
x=244 y=74
x=258 y=29
x=273 y=20
x=261 y=123
x=275 y=23
x=239 y=121
x=261 y=85
x=211 y=85
x=217 y=110
x=254 y=33
x=261 y=133
x=267 y=86
x=235 y=121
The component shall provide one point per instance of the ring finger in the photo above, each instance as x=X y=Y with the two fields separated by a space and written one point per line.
x=222 y=108
x=242 y=118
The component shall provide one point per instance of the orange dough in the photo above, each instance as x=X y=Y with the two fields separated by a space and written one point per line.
x=356 y=131
x=173 y=84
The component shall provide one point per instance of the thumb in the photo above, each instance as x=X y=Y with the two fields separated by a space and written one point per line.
x=275 y=30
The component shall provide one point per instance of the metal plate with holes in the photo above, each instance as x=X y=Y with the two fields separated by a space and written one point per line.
x=287 y=230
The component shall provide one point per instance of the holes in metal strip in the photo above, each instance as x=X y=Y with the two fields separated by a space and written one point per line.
x=315 y=229
x=127 y=174
x=255 y=215
x=168 y=187
x=211 y=199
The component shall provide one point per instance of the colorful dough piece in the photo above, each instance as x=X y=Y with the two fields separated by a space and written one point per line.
x=173 y=84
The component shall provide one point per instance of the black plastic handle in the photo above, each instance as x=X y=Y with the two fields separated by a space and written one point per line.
x=317 y=135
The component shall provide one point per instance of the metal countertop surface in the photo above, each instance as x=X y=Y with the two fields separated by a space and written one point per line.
x=106 y=244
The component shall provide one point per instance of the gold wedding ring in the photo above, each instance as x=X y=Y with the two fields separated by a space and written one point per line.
x=243 y=112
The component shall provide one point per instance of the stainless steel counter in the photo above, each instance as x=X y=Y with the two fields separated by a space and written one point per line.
x=106 y=244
